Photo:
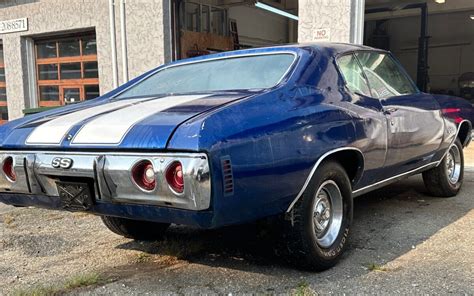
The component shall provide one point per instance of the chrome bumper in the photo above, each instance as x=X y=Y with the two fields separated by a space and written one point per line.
x=110 y=174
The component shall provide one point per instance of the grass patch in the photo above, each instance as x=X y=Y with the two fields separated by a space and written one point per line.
x=78 y=281
x=37 y=291
x=179 y=248
x=83 y=280
x=143 y=258
x=8 y=219
x=81 y=214
x=376 y=267
x=303 y=289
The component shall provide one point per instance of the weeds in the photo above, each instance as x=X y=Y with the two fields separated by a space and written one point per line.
x=8 y=219
x=142 y=258
x=376 y=267
x=303 y=289
x=78 y=281
x=83 y=280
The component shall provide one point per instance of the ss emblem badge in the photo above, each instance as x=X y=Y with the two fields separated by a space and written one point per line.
x=60 y=162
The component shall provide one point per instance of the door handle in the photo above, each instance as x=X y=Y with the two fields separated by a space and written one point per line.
x=389 y=110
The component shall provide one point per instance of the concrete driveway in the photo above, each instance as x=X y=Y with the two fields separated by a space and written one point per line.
x=403 y=241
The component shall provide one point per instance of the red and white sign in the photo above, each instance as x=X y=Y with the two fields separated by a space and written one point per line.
x=322 y=34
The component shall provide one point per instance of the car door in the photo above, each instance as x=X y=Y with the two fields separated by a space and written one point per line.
x=370 y=126
x=414 y=123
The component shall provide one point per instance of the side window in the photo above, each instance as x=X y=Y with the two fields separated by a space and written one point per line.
x=385 y=77
x=353 y=75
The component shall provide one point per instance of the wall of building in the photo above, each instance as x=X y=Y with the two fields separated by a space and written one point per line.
x=319 y=14
x=451 y=46
x=145 y=32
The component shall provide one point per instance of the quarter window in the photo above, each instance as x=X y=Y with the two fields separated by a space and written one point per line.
x=385 y=77
x=353 y=75
x=67 y=70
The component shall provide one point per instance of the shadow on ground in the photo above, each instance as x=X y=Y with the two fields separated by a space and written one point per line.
x=387 y=223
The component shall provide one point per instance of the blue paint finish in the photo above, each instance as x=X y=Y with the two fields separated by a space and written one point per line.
x=273 y=137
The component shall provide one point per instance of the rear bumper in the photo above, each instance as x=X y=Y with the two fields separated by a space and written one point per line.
x=110 y=180
x=202 y=219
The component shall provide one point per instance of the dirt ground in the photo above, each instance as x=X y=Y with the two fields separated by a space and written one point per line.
x=403 y=242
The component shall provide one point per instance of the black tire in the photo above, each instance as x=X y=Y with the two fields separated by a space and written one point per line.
x=439 y=182
x=135 y=229
x=301 y=239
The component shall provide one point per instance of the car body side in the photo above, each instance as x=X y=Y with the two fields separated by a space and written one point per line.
x=276 y=138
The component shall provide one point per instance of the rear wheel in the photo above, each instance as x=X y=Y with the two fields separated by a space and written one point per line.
x=318 y=232
x=446 y=179
x=135 y=229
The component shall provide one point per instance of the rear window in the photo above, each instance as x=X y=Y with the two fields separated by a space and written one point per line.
x=237 y=73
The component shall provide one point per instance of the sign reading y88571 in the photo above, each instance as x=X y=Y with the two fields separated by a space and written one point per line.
x=16 y=25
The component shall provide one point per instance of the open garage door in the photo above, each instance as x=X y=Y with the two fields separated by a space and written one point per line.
x=206 y=26
x=449 y=31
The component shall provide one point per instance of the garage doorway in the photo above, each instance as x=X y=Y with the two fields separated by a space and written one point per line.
x=449 y=41
x=207 y=26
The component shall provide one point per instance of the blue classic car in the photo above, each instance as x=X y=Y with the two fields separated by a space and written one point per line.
x=294 y=132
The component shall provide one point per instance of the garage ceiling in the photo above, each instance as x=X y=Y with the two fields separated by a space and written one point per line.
x=433 y=7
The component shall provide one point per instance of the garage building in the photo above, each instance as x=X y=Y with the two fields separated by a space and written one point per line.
x=56 y=52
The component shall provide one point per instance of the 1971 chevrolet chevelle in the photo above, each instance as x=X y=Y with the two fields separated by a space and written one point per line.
x=294 y=132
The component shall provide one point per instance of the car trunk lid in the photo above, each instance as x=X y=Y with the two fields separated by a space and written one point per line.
x=134 y=123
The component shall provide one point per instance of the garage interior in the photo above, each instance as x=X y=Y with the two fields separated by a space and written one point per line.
x=433 y=39
x=207 y=26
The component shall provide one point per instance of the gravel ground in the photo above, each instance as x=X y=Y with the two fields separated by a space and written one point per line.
x=403 y=242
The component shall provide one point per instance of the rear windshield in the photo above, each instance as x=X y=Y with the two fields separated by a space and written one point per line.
x=238 y=73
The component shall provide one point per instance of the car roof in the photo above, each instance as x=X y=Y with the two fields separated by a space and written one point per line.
x=327 y=48
x=334 y=48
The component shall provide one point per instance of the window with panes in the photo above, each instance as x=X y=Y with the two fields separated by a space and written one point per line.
x=67 y=70
x=3 y=89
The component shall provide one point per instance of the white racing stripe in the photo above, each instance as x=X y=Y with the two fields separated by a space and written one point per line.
x=111 y=128
x=53 y=131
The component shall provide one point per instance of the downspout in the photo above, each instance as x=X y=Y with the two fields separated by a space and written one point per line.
x=113 y=43
x=123 y=32
x=357 y=21
x=423 y=43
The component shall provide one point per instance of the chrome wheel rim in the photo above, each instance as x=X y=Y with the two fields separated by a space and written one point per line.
x=453 y=164
x=327 y=213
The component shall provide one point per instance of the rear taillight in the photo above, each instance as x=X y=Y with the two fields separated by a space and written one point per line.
x=8 y=169
x=143 y=174
x=453 y=113
x=175 y=177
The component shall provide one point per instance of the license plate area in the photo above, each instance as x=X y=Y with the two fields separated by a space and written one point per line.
x=75 y=196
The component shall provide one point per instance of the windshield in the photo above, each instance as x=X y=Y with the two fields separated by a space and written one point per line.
x=234 y=73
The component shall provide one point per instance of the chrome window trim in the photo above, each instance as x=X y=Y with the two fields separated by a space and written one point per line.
x=290 y=67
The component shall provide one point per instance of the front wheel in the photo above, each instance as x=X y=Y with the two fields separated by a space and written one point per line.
x=446 y=179
x=317 y=235
x=135 y=229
